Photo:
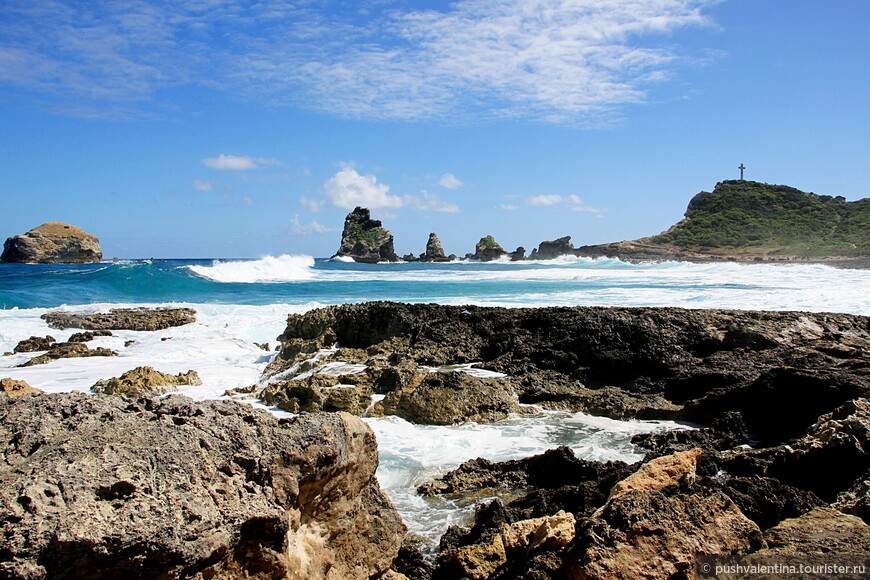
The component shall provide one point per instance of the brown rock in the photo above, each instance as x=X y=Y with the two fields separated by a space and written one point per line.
x=475 y=562
x=53 y=243
x=660 y=473
x=823 y=530
x=123 y=319
x=15 y=388
x=68 y=350
x=144 y=380
x=548 y=532
x=35 y=344
x=317 y=393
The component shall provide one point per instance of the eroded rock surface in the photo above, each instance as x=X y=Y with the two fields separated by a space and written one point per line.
x=53 y=243
x=123 y=319
x=145 y=380
x=366 y=240
x=68 y=350
x=15 y=388
x=105 y=487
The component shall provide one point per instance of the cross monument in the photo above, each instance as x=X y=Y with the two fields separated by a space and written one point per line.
x=741 y=168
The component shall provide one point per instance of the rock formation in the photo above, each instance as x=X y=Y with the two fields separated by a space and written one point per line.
x=434 y=252
x=68 y=350
x=53 y=243
x=553 y=249
x=15 y=388
x=106 y=487
x=145 y=380
x=123 y=319
x=365 y=239
x=487 y=249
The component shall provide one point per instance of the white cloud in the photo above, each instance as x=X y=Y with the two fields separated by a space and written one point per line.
x=430 y=202
x=449 y=181
x=570 y=202
x=237 y=162
x=315 y=205
x=348 y=189
x=507 y=207
x=554 y=60
x=247 y=201
x=203 y=185
x=310 y=228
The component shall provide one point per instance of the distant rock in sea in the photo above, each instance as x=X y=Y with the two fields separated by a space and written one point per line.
x=553 y=249
x=434 y=251
x=365 y=239
x=487 y=249
x=53 y=243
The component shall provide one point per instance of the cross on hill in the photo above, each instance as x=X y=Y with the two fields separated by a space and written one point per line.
x=741 y=168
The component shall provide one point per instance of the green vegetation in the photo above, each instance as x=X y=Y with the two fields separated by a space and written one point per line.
x=752 y=217
x=371 y=237
x=489 y=242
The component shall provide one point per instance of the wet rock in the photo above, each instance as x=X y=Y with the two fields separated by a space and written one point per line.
x=89 y=335
x=123 y=319
x=15 y=388
x=446 y=398
x=365 y=239
x=317 y=393
x=725 y=432
x=68 y=350
x=53 y=243
x=35 y=344
x=106 y=487
x=145 y=380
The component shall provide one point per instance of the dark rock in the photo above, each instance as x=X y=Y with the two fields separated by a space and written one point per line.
x=35 y=344
x=317 y=393
x=365 y=239
x=106 y=487
x=553 y=249
x=487 y=249
x=53 y=243
x=767 y=501
x=518 y=254
x=68 y=350
x=123 y=319
x=89 y=335
x=412 y=563
x=145 y=380
x=725 y=432
x=434 y=252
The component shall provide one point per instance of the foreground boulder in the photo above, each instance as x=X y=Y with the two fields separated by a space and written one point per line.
x=145 y=380
x=122 y=319
x=53 y=243
x=365 y=239
x=15 y=388
x=105 y=487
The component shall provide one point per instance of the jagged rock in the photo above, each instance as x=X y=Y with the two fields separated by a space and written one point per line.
x=317 y=393
x=68 y=350
x=365 y=239
x=779 y=370
x=445 y=398
x=657 y=534
x=89 y=335
x=518 y=254
x=659 y=473
x=123 y=319
x=15 y=388
x=487 y=249
x=434 y=252
x=53 y=243
x=823 y=530
x=725 y=432
x=145 y=380
x=553 y=249
x=105 y=487
x=856 y=499
x=556 y=531
x=765 y=500
x=35 y=344
x=474 y=562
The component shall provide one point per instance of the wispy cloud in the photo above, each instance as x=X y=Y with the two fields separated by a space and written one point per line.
x=507 y=207
x=449 y=181
x=237 y=162
x=312 y=227
x=569 y=202
x=554 y=60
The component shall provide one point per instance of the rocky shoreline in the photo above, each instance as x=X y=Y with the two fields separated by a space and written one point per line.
x=221 y=490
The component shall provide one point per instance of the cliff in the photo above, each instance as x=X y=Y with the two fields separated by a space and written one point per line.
x=53 y=243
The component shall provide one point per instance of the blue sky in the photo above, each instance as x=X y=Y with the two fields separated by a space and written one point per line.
x=242 y=128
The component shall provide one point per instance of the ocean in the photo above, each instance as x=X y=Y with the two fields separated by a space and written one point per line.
x=242 y=302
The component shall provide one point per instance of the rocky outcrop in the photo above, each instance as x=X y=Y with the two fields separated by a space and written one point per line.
x=820 y=531
x=105 y=487
x=35 y=344
x=778 y=370
x=317 y=393
x=553 y=249
x=123 y=319
x=15 y=388
x=434 y=252
x=53 y=243
x=145 y=380
x=68 y=350
x=487 y=249
x=365 y=239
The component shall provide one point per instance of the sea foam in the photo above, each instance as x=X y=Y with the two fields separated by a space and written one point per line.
x=284 y=268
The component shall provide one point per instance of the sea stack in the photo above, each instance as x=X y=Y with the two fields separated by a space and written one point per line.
x=53 y=243
x=365 y=239
x=549 y=250
x=487 y=249
x=434 y=251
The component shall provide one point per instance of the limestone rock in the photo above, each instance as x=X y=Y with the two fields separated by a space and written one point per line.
x=15 y=388
x=53 y=243
x=145 y=380
x=475 y=562
x=660 y=473
x=68 y=350
x=35 y=344
x=88 y=336
x=434 y=252
x=105 y=487
x=123 y=319
x=487 y=249
x=365 y=239
x=445 y=398
x=652 y=534
x=317 y=393
x=823 y=530
x=556 y=531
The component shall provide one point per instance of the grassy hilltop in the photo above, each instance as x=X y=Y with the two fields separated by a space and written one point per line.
x=748 y=217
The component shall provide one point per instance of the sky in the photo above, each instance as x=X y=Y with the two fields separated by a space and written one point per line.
x=246 y=128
